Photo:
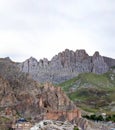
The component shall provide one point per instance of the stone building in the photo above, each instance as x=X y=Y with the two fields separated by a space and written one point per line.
x=21 y=124
x=68 y=115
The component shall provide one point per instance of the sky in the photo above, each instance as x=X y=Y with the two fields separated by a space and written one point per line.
x=43 y=28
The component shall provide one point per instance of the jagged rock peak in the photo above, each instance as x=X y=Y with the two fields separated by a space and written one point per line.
x=44 y=60
x=31 y=59
x=6 y=59
x=81 y=52
x=65 y=53
x=96 y=54
x=68 y=57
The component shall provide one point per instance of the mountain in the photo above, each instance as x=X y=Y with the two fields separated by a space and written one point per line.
x=92 y=92
x=21 y=96
x=66 y=65
x=23 y=92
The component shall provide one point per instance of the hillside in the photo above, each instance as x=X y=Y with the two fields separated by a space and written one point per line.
x=92 y=92
x=21 y=96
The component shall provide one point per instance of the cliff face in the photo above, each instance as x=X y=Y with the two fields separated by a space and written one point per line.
x=7 y=97
x=32 y=102
x=20 y=94
x=66 y=65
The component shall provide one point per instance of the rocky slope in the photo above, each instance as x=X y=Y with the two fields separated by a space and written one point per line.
x=20 y=95
x=80 y=123
x=66 y=65
x=52 y=125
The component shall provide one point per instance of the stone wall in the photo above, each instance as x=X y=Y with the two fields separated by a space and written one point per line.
x=68 y=115
x=22 y=126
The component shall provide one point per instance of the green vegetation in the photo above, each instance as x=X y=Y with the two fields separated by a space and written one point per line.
x=3 y=119
x=92 y=92
x=4 y=123
x=94 y=117
x=110 y=118
x=75 y=128
x=113 y=67
x=100 y=117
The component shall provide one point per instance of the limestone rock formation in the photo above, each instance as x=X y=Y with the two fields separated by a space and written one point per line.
x=34 y=101
x=66 y=65
x=20 y=93
x=99 y=65
x=7 y=97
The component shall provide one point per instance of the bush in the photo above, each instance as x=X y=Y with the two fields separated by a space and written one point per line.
x=75 y=128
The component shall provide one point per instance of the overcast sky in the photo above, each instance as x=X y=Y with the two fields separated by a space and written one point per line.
x=42 y=28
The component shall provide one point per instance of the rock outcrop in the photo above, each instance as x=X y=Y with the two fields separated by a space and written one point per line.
x=34 y=102
x=19 y=92
x=7 y=97
x=66 y=65
x=80 y=123
x=52 y=125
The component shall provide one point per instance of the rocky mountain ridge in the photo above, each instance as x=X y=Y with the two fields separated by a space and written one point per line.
x=66 y=65
x=20 y=95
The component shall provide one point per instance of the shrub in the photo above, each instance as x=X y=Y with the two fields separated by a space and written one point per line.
x=75 y=128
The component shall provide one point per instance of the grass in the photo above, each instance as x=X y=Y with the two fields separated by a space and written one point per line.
x=92 y=92
x=4 y=120
x=68 y=84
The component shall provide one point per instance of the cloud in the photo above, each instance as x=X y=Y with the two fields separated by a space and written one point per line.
x=42 y=28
